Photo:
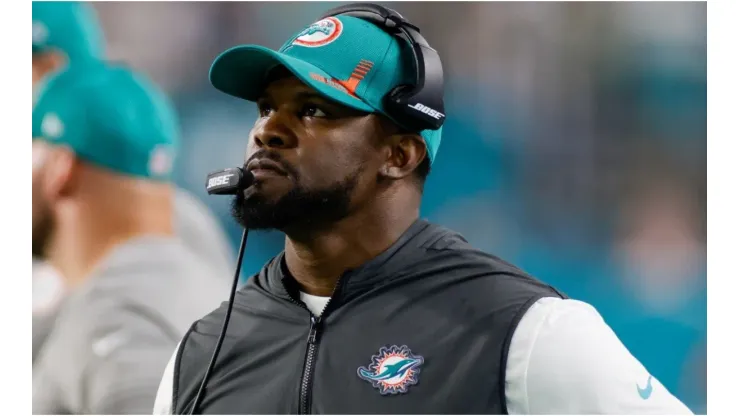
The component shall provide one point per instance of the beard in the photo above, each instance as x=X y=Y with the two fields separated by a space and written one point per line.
x=41 y=233
x=299 y=208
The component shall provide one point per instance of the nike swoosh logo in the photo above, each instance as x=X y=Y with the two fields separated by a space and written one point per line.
x=104 y=346
x=647 y=391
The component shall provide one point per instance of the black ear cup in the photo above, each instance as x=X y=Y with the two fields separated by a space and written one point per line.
x=415 y=107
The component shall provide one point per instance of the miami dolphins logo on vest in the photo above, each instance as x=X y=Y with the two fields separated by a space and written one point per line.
x=320 y=33
x=393 y=370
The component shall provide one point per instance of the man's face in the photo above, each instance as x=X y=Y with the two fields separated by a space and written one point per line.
x=42 y=218
x=327 y=155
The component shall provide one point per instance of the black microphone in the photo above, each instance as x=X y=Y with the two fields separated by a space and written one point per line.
x=228 y=181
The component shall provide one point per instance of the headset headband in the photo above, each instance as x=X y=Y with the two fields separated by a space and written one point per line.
x=416 y=107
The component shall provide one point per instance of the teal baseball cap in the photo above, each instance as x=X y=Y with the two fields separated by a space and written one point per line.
x=344 y=58
x=111 y=117
x=70 y=27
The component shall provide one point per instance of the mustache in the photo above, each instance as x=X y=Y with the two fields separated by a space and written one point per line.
x=274 y=157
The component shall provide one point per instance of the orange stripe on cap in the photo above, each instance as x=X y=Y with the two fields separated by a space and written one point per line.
x=358 y=74
x=351 y=85
x=362 y=69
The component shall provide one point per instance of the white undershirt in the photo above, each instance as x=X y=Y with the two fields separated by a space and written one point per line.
x=315 y=304
x=563 y=359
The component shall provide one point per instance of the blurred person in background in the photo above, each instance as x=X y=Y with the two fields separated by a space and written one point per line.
x=370 y=309
x=68 y=33
x=660 y=265
x=104 y=143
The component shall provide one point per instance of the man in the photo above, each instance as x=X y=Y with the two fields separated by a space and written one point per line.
x=370 y=309
x=69 y=33
x=104 y=141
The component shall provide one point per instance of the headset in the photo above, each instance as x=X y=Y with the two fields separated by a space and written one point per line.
x=415 y=107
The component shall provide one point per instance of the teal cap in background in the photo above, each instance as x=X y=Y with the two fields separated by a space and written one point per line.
x=346 y=59
x=111 y=117
x=70 y=27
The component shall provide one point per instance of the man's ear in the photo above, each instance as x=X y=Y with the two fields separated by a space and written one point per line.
x=60 y=173
x=47 y=63
x=407 y=151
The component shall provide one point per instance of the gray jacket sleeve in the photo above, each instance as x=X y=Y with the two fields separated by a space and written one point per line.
x=126 y=381
x=107 y=360
x=129 y=352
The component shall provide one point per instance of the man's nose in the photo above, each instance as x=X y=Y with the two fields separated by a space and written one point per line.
x=275 y=133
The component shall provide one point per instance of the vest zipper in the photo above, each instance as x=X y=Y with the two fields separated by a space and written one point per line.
x=314 y=333
x=308 y=368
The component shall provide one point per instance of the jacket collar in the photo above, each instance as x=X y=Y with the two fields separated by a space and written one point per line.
x=276 y=278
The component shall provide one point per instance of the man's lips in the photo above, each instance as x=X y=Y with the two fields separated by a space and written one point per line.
x=262 y=167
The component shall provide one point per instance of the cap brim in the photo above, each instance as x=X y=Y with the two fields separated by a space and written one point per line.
x=242 y=70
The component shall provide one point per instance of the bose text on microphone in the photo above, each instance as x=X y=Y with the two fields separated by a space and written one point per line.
x=228 y=181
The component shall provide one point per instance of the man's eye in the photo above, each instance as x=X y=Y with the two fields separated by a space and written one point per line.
x=311 y=110
x=264 y=109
